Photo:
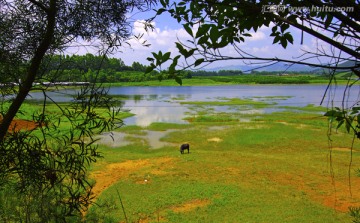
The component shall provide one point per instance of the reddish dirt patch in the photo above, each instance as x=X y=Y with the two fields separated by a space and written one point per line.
x=18 y=124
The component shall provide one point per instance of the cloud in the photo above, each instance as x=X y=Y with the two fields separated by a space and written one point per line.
x=159 y=40
x=256 y=36
x=163 y=38
x=264 y=49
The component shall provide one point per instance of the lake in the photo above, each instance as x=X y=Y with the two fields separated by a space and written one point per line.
x=163 y=104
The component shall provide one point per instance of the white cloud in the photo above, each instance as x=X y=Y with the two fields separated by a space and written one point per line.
x=264 y=49
x=163 y=38
x=159 y=39
x=259 y=35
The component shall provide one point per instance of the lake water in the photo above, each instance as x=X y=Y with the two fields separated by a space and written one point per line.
x=163 y=104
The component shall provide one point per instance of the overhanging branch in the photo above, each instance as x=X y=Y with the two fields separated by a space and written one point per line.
x=320 y=36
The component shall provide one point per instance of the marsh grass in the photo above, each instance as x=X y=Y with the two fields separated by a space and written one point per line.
x=232 y=80
x=228 y=101
x=275 y=168
x=158 y=126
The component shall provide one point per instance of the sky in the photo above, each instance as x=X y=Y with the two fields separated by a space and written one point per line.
x=167 y=31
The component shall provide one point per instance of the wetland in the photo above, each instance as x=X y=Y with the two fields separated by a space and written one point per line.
x=257 y=154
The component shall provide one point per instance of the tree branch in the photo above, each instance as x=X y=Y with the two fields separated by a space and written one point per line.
x=223 y=58
x=338 y=15
x=320 y=36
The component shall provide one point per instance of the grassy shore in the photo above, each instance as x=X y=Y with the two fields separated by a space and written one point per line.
x=277 y=167
x=241 y=79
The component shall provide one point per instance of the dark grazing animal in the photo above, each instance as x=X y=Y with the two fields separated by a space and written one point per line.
x=184 y=147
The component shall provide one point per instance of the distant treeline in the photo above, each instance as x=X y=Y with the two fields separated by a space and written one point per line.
x=102 y=69
x=91 y=68
x=202 y=73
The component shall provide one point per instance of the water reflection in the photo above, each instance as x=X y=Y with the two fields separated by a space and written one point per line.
x=118 y=139
x=154 y=111
x=161 y=104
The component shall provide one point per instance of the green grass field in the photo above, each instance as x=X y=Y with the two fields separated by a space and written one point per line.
x=277 y=167
x=239 y=79
x=242 y=167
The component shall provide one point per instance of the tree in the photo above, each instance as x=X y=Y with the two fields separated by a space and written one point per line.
x=136 y=66
x=43 y=170
x=215 y=25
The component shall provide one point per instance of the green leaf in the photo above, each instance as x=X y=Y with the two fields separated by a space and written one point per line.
x=274 y=29
x=223 y=43
x=150 y=68
x=214 y=34
x=330 y=113
x=182 y=3
x=180 y=47
x=276 y=39
x=157 y=56
x=150 y=59
x=283 y=42
x=189 y=53
x=178 y=80
x=166 y=57
x=203 y=29
x=160 y=11
x=199 y=61
x=284 y=27
x=289 y=37
x=348 y=125
x=163 y=3
x=188 y=29
x=340 y=124
x=173 y=64
x=203 y=40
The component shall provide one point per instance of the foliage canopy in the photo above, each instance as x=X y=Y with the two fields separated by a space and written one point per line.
x=214 y=26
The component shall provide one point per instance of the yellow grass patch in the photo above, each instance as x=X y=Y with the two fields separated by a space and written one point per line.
x=191 y=205
x=342 y=149
x=215 y=139
x=113 y=172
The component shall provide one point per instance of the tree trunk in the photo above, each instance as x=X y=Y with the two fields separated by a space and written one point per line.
x=25 y=88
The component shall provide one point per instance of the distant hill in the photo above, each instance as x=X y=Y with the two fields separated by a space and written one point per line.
x=344 y=64
x=280 y=67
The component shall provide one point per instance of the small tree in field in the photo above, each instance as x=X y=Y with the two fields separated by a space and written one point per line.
x=43 y=171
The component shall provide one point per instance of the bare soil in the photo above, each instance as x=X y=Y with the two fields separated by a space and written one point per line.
x=19 y=124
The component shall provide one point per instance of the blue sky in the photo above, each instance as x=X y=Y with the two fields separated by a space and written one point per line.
x=168 y=31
